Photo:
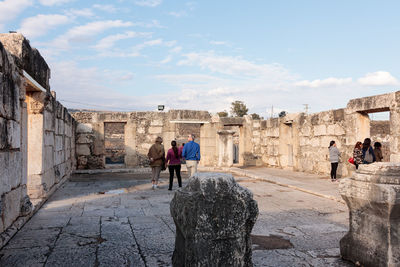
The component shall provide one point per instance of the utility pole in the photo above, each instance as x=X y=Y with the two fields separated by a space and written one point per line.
x=306 y=108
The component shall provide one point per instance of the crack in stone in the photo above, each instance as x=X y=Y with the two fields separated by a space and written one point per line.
x=137 y=243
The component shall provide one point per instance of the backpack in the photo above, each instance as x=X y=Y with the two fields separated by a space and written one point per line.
x=368 y=156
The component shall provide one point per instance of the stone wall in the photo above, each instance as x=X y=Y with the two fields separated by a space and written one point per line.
x=94 y=143
x=380 y=132
x=36 y=135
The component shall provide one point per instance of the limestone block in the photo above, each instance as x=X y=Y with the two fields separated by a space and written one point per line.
x=13 y=134
x=3 y=133
x=276 y=132
x=315 y=142
x=224 y=211
x=67 y=143
x=48 y=138
x=11 y=170
x=59 y=157
x=256 y=124
x=48 y=121
x=82 y=150
x=84 y=128
x=330 y=129
x=339 y=130
x=256 y=133
x=59 y=143
x=319 y=130
x=48 y=179
x=11 y=205
x=305 y=131
x=84 y=139
x=372 y=195
x=68 y=129
x=48 y=158
x=156 y=123
x=60 y=129
x=155 y=130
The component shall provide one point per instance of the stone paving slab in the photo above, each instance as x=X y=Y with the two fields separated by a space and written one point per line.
x=85 y=225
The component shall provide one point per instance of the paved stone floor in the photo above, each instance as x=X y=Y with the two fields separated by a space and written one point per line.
x=117 y=220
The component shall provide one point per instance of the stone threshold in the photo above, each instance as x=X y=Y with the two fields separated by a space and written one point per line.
x=6 y=236
x=272 y=180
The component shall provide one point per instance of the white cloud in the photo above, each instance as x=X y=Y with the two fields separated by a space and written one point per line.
x=329 y=82
x=379 y=78
x=10 y=9
x=106 y=8
x=109 y=41
x=166 y=60
x=218 y=43
x=84 y=12
x=153 y=24
x=39 y=25
x=234 y=66
x=148 y=3
x=53 y=2
x=177 y=14
x=86 y=32
x=176 y=49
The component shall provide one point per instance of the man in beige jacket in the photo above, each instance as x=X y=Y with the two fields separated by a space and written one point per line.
x=156 y=155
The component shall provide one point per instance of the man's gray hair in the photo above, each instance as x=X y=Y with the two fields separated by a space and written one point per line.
x=193 y=136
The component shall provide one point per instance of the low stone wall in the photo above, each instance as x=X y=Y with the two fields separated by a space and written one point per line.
x=36 y=135
x=140 y=131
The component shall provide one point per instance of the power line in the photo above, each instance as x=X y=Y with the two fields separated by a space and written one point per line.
x=92 y=105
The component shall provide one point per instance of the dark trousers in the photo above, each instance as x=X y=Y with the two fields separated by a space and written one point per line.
x=334 y=166
x=177 y=169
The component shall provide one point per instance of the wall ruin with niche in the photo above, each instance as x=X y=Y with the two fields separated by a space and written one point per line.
x=36 y=135
x=94 y=144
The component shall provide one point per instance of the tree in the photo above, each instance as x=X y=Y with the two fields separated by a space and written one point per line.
x=223 y=114
x=282 y=114
x=255 y=116
x=238 y=109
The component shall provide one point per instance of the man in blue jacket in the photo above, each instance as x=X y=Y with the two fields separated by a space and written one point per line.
x=191 y=152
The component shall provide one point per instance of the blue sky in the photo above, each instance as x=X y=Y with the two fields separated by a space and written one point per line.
x=136 y=54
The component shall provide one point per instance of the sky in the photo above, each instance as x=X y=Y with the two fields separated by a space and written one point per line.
x=133 y=55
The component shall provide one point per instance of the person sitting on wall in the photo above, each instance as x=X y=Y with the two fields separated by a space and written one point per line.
x=191 y=152
x=378 y=151
x=156 y=155
x=368 y=152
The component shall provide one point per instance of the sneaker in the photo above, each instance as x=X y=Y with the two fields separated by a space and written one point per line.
x=153 y=186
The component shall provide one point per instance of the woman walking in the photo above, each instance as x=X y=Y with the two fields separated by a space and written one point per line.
x=173 y=160
x=156 y=156
x=334 y=155
x=368 y=152
x=358 y=154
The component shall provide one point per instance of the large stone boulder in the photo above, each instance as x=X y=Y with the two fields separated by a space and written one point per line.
x=373 y=198
x=214 y=217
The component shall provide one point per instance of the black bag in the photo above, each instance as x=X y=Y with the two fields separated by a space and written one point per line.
x=163 y=167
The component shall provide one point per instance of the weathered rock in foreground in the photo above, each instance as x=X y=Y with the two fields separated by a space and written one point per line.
x=373 y=198
x=214 y=217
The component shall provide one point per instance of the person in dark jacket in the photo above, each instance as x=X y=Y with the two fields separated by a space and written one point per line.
x=173 y=160
x=378 y=151
x=368 y=152
x=156 y=156
x=358 y=154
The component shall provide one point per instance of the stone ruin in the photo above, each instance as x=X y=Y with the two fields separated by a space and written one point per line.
x=372 y=195
x=214 y=217
x=41 y=144
x=37 y=136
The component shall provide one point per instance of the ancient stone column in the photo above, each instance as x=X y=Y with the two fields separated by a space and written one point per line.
x=373 y=198
x=214 y=217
